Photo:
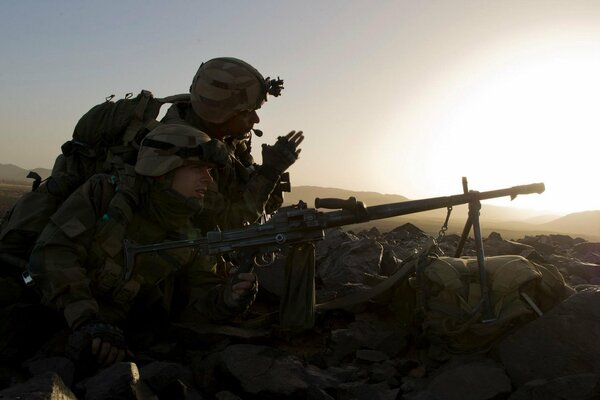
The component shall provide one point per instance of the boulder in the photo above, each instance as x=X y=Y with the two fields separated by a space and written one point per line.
x=479 y=379
x=562 y=342
x=350 y=262
x=44 y=386
x=495 y=245
x=262 y=371
x=62 y=366
x=118 y=381
x=572 y=387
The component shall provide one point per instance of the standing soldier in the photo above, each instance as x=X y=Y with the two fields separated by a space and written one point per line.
x=78 y=261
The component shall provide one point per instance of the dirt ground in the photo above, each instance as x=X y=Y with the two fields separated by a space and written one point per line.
x=10 y=193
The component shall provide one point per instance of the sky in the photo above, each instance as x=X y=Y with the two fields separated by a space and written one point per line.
x=400 y=97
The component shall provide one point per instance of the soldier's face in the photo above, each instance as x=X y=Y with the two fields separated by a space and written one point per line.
x=240 y=124
x=192 y=181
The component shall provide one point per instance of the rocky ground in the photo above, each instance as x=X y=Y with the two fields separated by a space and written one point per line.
x=361 y=352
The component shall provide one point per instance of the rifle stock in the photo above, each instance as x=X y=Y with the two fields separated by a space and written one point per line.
x=300 y=224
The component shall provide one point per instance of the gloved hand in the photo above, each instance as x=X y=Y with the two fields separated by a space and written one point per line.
x=106 y=343
x=241 y=291
x=280 y=156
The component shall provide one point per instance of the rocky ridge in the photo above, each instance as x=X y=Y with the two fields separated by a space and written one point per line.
x=361 y=352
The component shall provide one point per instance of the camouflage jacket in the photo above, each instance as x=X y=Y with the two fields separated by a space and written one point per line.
x=239 y=194
x=78 y=260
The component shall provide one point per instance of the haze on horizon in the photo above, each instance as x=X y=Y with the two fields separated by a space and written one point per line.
x=396 y=97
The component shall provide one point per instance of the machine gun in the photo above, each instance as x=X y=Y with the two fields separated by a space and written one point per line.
x=256 y=244
x=300 y=224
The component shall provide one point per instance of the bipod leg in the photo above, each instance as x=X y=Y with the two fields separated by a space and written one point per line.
x=488 y=314
x=463 y=238
x=468 y=224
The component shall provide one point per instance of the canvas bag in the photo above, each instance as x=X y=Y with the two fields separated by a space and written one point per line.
x=448 y=296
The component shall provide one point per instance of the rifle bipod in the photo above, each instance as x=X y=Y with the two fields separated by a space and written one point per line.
x=473 y=221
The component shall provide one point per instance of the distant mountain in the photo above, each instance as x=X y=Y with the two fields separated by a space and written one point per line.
x=10 y=172
x=586 y=222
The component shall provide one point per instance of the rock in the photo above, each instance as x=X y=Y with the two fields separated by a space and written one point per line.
x=373 y=233
x=533 y=255
x=11 y=376
x=322 y=379
x=115 y=382
x=405 y=232
x=481 y=379
x=384 y=372
x=561 y=342
x=573 y=266
x=203 y=369
x=47 y=385
x=166 y=378
x=366 y=391
x=62 y=366
x=334 y=238
x=361 y=334
x=540 y=243
x=565 y=241
x=389 y=261
x=348 y=373
x=495 y=245
x=588 y=252
x=262 y=371
x=372 y=356
x=572 y=387
x=350 y=261
x=225 y=395
x=411 y=385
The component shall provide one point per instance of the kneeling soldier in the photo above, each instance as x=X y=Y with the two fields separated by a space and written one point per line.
x=78 y=261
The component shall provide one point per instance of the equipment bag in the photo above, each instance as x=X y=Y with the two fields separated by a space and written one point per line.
x=448 y=298
x=105 y=138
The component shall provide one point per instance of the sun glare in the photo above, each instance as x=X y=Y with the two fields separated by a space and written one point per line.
x=520 y=119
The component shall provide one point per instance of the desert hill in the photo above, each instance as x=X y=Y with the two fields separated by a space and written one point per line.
x=586 y=221
x=12 y=173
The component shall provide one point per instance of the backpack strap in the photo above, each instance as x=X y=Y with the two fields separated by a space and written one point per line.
x=137 y=121
x=176 y=98
x=120 y=210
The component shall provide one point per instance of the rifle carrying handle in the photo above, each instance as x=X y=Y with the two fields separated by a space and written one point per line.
x=336 y=204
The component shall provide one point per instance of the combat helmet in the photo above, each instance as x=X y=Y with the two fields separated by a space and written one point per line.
x=171 y=146
x=224 y=86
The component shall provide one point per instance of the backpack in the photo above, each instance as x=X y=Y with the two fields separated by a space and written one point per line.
x=447 y=299
x=104 y=139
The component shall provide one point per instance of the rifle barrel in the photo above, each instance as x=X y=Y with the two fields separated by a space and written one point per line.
x=344 y=217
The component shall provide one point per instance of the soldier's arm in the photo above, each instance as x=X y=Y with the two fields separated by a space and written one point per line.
x=244 y=200
x=211 y=297
x=57 y=263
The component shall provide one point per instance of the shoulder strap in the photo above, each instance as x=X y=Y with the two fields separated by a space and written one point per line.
x=120 y=210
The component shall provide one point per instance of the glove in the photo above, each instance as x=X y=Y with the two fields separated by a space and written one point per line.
x=279 y=157
x=241 y=291
x=99 y=341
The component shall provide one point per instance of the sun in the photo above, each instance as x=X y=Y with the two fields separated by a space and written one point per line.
x=513 y=118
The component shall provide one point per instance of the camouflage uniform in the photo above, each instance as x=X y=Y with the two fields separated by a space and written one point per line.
x=222 y=88
x=78 y=259
x=239 y=194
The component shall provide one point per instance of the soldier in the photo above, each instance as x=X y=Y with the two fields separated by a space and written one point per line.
x=225 y=95
x=77 y=261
